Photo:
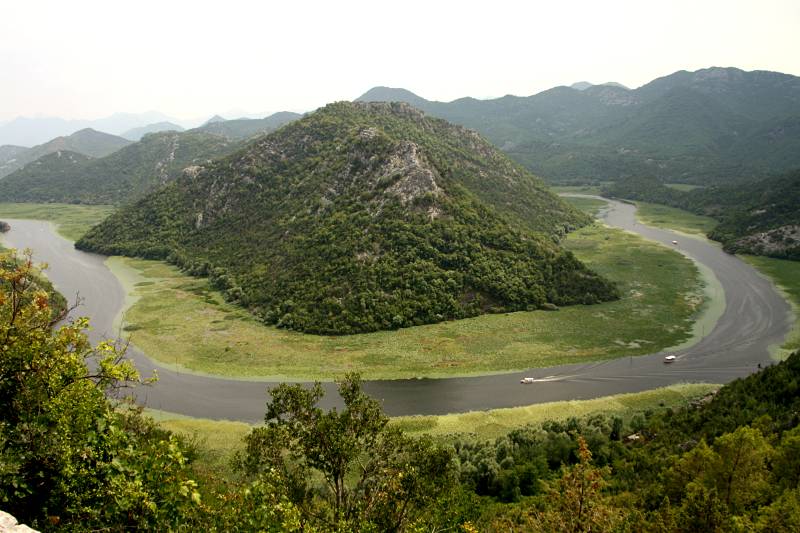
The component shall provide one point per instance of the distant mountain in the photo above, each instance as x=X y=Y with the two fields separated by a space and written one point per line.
x=33 y=131
x=120 y=177
x=389 y=94
x=762 y=217
x=363 y=217
x=581 y=85
x=87 y=142
x=44 y=177
x=136 y=134
x=245 y=128
x=8 y=156
x=214 y=120
x=712 y=125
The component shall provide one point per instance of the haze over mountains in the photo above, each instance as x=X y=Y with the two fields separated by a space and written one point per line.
x=120 y=177
x=24 y=131
x=136 y=134
x=157 y=158
x=87 y=142
x=27 y=131
x=712 y=125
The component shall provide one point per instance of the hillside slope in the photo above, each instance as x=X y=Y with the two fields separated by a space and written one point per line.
x=362 y=217
x=121 y=177
x=8 y=155
x=708 y=126
x=761 y=218
x=87 y=142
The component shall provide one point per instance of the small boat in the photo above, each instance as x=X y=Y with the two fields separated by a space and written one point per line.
x=674 y=242
x=527 y=381
x=669 y=359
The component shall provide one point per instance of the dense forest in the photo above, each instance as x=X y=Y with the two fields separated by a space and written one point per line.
x=363 y=217
x=71 y=459
x=761 y=218
x=705 y=127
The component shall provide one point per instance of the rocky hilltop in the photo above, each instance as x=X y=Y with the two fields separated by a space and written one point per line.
x=362 y=217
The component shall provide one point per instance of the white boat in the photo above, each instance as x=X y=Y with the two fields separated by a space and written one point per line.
x=674 y=242
x=527 y=381
x=669 y=359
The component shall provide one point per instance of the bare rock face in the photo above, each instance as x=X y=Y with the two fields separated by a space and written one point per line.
x=9 y=524
x=777 y=241
x=416 y=177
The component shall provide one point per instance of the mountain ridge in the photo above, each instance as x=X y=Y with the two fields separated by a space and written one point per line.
x=122 y=176
x=136 y=134
x=87 y=142
x=605 y=132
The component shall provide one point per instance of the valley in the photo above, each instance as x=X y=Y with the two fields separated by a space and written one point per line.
x=753 y=310
x=251 y=282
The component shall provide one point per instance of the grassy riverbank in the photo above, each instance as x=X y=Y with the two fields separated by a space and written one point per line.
x=218 y=440
x=71 y=221
x=180 y=321
x=591 y=206
x=663 y=216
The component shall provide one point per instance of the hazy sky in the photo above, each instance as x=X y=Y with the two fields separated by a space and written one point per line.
x=87 y=59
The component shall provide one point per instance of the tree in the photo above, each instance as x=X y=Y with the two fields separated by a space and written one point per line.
x=740 y=474
x=576 y=503
x=345 y=470
x=68 y=455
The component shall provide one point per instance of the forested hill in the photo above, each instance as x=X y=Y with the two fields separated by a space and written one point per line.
x=362 y=217
x=702 y=127
x=121 y=177
x=87 y=142
x=761 y=218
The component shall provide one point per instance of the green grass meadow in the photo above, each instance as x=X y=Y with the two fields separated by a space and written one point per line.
x=675 y=219
x=683 y=187
x=181 y=322
x=483 y=425
x=592 y=206
x=71 y=221
x=595 y=189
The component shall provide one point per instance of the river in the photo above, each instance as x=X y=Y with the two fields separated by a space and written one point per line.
x=755 y=318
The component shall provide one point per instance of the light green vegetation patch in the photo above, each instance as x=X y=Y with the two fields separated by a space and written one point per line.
x=685 y=187
x=180 y=321
x=675 y=219
x=484 y=425
x=591 y=206
x=71 y=221
x=217 y=440
x=785 y=275
x=580 y=189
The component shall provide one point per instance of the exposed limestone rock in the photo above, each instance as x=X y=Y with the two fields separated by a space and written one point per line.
x=773 y=242
x=416 y=176
x=9 y=524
